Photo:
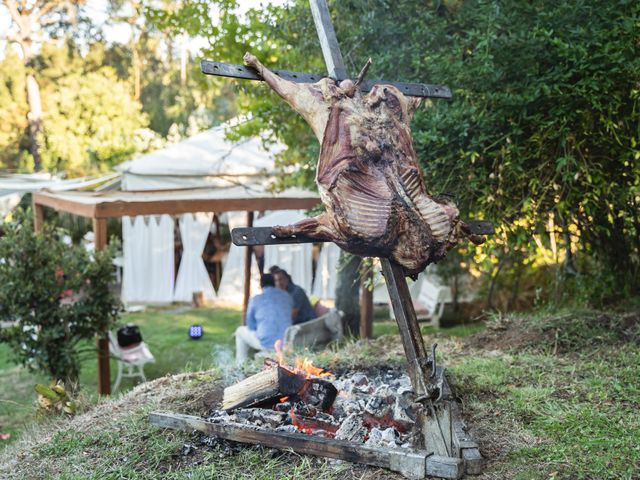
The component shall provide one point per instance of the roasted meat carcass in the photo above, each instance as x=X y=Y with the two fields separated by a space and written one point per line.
x=368 y=175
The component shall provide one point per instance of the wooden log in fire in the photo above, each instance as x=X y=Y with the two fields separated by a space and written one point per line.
x=273 y=384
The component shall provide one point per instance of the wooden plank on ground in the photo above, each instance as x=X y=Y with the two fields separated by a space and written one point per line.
x=413 y=464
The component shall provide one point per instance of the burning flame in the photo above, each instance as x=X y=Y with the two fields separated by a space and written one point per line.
x=305 y=366
x=299 y=425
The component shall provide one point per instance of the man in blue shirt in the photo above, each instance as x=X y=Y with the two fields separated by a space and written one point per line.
x=302 y=309
x=268 y=316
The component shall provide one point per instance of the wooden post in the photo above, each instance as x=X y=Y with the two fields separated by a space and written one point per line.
x=328 y=40
x=247 y=273
x=102 y=339
x=366 y=306
x=38 y=216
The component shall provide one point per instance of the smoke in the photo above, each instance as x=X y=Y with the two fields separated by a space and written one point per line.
x=224 y=361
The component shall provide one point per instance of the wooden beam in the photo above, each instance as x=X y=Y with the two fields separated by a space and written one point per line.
x=102 y=339
x=63 y=205
x=328 y=40
x=131 y=208
x=247 y=273
x=178 y=206
x=38 y=217
x=413 y=464
x=410 y=334
x=366 y=306
x=100 y=233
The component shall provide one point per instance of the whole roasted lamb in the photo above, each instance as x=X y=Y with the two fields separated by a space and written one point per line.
x=368 y=175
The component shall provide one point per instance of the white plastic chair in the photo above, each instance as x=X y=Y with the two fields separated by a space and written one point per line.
x=431 y=301
x=133 y=358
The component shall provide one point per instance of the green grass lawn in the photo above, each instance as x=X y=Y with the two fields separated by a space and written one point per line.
x=166 y=333
x=549 y=395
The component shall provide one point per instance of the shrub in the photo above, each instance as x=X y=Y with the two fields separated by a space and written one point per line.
x=55 y=296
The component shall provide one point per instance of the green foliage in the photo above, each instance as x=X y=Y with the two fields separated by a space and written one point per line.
x=13 y=111
x=57 y=295
x=542 y=134
x=90 y=120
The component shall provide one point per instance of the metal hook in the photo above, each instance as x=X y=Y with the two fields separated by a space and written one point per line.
x=433 y=360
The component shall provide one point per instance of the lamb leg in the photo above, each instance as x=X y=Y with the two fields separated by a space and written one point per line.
x=305 y=98
x=315 y=227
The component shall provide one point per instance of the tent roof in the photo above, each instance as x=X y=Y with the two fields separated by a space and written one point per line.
x=124 y=203
x=208 y=153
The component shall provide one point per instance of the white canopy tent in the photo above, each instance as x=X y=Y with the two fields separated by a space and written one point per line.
x=210 y=162
x=205 y=160
x=14 y=185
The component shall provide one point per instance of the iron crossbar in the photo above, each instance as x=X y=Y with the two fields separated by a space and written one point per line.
x=244 y=236
x=247 y=73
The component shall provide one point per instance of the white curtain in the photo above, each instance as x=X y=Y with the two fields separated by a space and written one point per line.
x=192 y=274
x=231 y=291
x=324 y=285
x=148 y=263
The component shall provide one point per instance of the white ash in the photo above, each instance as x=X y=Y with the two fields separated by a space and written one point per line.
x=352 y=429
x=372 y=408
x=382 y=438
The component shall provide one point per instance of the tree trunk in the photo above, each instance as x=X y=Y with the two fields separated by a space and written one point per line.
x=35 y=120
x=136 y=72
x=348 y=292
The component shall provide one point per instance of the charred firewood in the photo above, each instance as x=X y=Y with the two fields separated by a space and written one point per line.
x=276 y=384
x=264 y=388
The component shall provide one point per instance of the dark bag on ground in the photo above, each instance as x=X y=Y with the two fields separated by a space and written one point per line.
x=129 y=335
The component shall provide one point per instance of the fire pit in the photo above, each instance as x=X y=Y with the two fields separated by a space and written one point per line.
x=371 y=408
x=370 y=416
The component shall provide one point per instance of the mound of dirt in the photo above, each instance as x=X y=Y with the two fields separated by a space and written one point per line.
x=564 y=333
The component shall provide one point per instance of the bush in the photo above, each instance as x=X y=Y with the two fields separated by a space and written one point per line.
x=55 y=296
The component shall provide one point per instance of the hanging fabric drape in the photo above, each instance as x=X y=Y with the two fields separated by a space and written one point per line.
x=192 y=273
x=148 y=268
x=324 y=284
x=231 y=291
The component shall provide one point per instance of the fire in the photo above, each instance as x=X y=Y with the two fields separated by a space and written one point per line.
x=305 y=366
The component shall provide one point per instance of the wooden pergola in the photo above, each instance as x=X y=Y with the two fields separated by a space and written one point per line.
x=99 y=206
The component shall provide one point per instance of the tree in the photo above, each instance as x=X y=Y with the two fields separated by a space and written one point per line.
x=58 y=296
x=29 y=20
x=542 y=134
x=92 y=122
x=13 y=111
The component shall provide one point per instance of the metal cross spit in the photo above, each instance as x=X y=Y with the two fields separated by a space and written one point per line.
x=439 y=427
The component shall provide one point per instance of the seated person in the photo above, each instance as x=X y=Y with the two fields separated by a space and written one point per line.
x=268 y=316
x=302 y=309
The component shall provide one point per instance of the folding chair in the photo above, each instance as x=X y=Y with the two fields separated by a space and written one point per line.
x=134 y=358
